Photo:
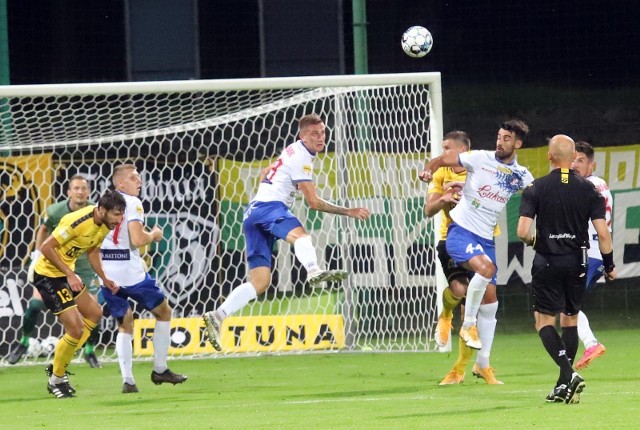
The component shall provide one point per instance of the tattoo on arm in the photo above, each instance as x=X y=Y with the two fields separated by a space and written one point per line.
x=325 y=206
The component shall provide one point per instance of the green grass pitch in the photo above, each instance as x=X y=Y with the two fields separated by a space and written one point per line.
x=337 y=391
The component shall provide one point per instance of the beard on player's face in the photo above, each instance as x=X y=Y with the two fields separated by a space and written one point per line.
x=504 y=153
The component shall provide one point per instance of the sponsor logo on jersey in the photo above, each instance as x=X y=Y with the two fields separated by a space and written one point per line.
x=115 y=254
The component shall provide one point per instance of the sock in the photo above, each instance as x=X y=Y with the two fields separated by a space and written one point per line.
x=124 y=349
x=93 y=340
x=306 y=254
x=86 y=331
x=486 y=331
x=65 y=349
x=584 y=331
x=475 y=291
x=449 y=303
x=161 y=343
x=238 y=299
x=30 y=319
x=464 y=355
x=556 y=349
x=570 y=340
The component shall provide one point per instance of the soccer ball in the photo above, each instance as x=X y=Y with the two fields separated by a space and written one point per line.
x=48 y=345
x=417 y=41
x=34 y=349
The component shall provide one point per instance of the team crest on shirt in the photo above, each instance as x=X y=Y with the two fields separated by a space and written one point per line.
x=307 y=169
x=139 y=210
x=510 y=182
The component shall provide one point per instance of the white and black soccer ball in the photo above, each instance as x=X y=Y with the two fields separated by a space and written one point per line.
x=34 y=349
x=48 y=345
x=417 y=41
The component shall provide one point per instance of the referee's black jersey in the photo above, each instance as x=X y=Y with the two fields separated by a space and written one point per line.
x=562 y=203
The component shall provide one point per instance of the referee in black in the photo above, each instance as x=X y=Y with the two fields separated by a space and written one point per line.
x=562 y=204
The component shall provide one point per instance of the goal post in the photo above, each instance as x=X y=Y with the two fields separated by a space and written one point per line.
x=200 y=146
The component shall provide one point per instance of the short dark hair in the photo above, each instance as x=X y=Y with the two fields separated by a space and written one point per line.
x=520 y=128
x=307 y=120
x=585 y=148
x=460 y=136
x=77 y=178
x=112 y=199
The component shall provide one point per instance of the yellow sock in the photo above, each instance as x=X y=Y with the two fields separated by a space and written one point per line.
x=464 y=355
x=449 y=303
x=65 y=349
x=86 y=332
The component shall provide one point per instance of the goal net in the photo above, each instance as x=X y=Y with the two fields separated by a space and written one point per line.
x=200 y=147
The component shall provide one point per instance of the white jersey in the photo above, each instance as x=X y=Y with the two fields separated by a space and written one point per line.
x=294 y=165
x=603 y=189
x=121 y=260
x=489 y=186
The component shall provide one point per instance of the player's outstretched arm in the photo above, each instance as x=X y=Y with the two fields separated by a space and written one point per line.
x=315 y=202
x=450 y=159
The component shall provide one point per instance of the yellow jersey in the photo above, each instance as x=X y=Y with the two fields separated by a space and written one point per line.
x=441 y=177
x=76 y=233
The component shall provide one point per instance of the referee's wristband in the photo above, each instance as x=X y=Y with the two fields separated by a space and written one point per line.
x=607 y=260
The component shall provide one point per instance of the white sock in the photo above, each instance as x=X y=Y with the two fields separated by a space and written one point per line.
x=55 y=380
x=306 y=254
x=584 y=331
x=237 y=300
x=124 y=349
x=475 y=292
x=161 y=343
x=486 y=331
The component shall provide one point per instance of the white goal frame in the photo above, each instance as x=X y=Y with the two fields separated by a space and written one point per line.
x=302 y=91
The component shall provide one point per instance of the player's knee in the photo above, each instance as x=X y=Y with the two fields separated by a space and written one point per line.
x=487 y=270
x=163 y=312
x=458 y=288
x=75 y=330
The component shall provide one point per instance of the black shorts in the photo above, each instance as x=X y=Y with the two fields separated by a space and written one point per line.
x=558 y=284
x=451 y=271
x=56 y=293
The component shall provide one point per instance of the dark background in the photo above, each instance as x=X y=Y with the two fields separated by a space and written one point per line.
x=577 y=43
x=564 y=66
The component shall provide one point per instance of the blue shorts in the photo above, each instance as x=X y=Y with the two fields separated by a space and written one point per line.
x=595 y=272
x=462 y=245
x=263 y=224
x=146 y=293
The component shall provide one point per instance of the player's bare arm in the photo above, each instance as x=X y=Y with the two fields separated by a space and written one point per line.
x=140 y=236
x=449 y=159
x=48 y=249
x=606 y=248
x=315 y=202
x=438 y=201
x=524 y=230
x=93 y=255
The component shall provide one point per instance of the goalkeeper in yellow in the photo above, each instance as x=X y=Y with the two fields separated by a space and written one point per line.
x=62 y=290
x=442 y=197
